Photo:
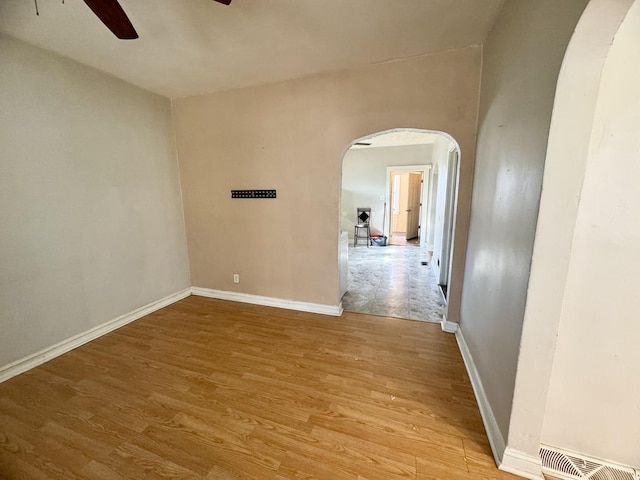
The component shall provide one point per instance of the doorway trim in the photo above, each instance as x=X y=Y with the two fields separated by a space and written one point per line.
x=457 y=255
x=570 y=137
x=425 y=206
x=448 y=234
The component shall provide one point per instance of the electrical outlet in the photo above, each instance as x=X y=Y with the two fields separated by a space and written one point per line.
x=236 y=278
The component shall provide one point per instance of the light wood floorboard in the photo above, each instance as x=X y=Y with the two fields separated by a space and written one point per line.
x=208 y=389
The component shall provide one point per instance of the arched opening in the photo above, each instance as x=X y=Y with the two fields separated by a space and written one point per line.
x=572 y=179
x=408 y=178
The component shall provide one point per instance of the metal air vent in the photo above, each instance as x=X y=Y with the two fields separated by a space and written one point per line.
x=571 y=466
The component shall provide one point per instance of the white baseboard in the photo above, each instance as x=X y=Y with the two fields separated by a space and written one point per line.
x=334 y=310
x=507 y=459
x=523 y=464
x=447 y=326
x=496 y=440
x=44 y=355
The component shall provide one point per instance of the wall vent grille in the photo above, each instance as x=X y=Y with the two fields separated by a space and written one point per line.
x=571 y=466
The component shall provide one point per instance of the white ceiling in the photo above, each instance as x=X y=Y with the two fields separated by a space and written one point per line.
x=398 y=138
x=189 y=47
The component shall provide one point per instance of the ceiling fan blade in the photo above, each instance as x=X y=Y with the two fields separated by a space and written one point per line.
x=113 y=16
x=225 y=2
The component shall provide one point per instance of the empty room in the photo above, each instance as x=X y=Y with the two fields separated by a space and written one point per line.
x=175 y=216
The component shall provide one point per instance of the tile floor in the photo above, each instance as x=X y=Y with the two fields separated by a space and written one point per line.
x=391 y=281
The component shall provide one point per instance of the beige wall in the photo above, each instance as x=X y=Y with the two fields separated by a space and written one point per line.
x=90 y=208
x=522 y=58
x=364 y=179
x=594 y=396
x=291 y=136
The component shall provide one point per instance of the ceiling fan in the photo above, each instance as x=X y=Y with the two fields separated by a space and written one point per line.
x=112 y=15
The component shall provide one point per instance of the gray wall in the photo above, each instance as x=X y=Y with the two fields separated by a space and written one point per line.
x=90 y=204
x=522 y=58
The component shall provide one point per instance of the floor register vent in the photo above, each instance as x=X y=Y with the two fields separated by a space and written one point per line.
x=571 y=466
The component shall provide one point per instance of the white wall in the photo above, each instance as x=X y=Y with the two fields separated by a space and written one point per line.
x=521 y=60
x=594 y=395
x=364 y=179
x=431 y=213
x=441 y=159
x=90 y=205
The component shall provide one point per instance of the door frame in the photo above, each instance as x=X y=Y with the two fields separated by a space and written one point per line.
x=424 y=197
x=453 y=165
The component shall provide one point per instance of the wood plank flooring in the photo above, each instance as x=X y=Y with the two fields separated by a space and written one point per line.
x=208 y=389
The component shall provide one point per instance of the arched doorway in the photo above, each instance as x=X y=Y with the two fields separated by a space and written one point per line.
x=385 y=278
x=546 y=348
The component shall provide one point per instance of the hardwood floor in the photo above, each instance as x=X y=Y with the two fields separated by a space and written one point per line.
x=220 y=390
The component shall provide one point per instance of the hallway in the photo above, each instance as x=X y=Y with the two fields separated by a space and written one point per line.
x=392 y=281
